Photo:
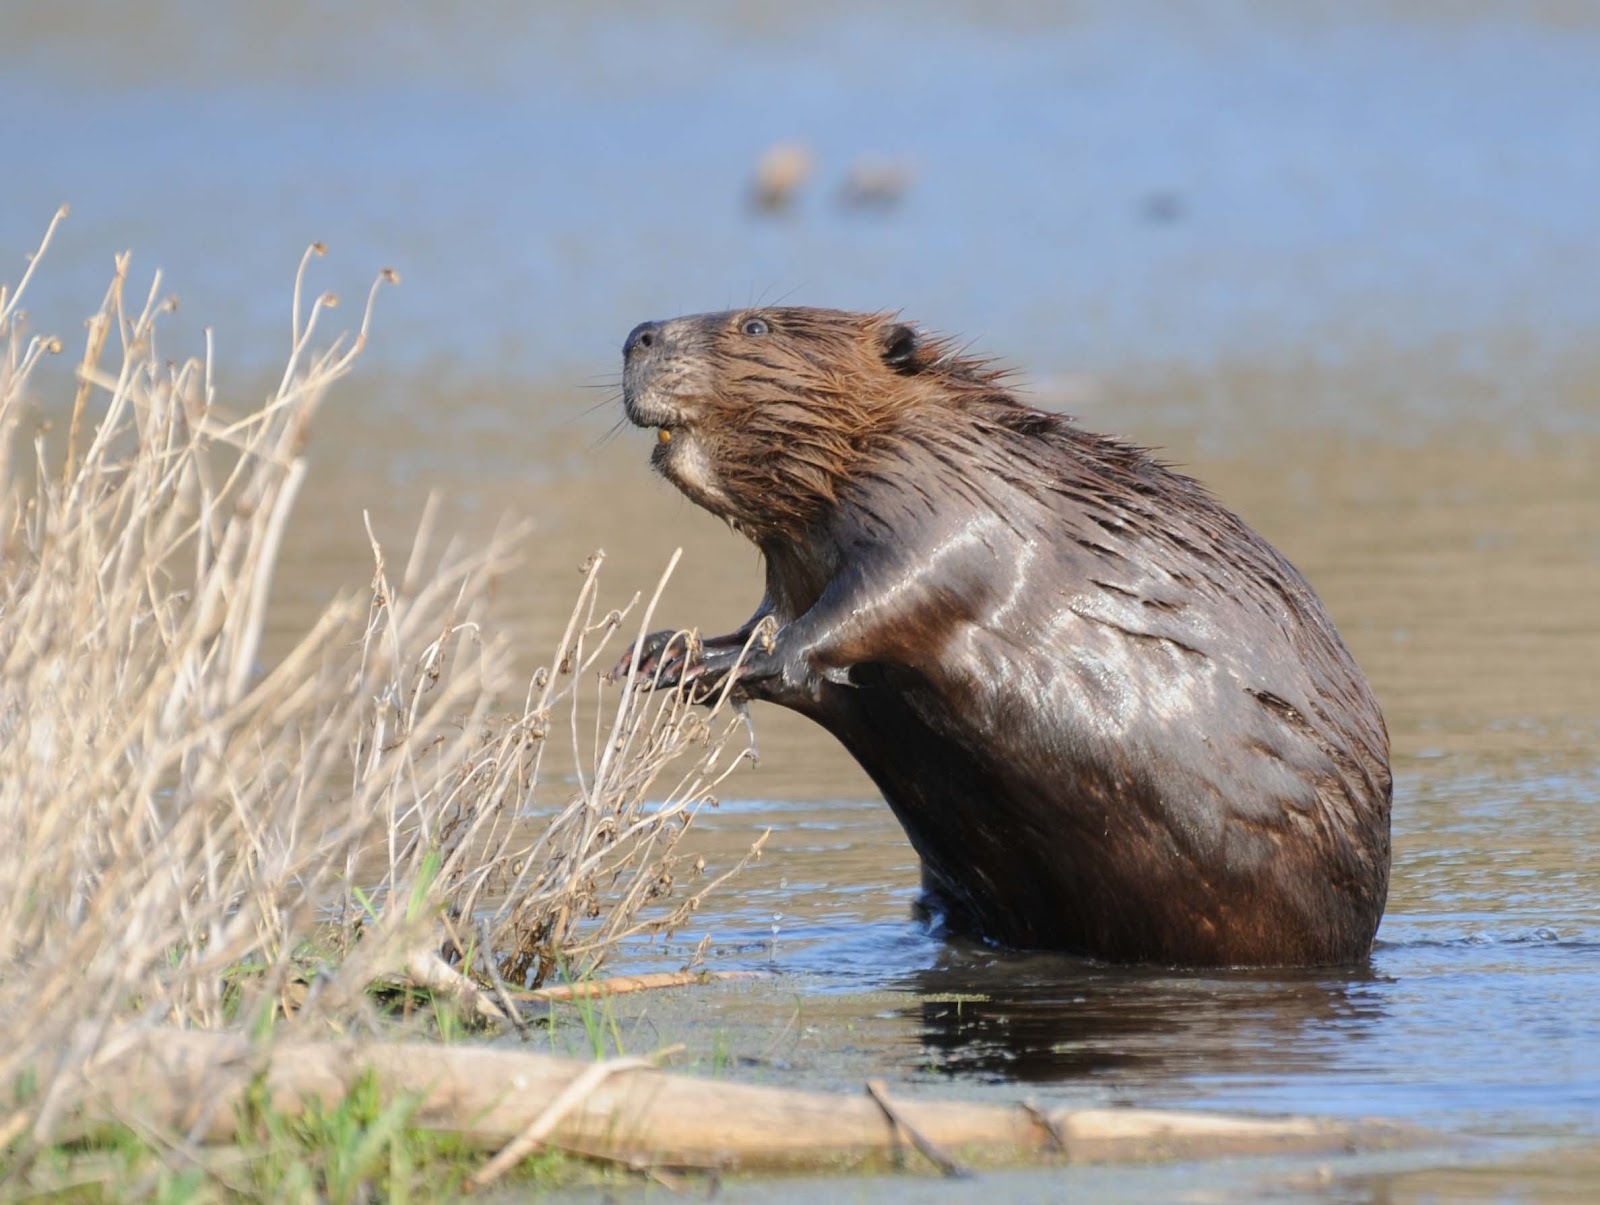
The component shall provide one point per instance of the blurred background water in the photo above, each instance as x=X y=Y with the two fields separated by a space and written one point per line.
x=1090 y=182
x=1341 y=259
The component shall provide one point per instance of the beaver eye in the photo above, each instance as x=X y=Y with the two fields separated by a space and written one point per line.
x=754 y=326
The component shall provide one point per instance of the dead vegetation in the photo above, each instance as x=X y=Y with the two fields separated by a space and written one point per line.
x=194 y=838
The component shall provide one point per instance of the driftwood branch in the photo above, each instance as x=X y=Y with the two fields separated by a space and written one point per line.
x=426 y=969
x=623 y=985
x=537 y=1133
x=930 y=1150
x=194 y=1083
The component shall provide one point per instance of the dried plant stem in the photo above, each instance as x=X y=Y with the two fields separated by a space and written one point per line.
x=200 y=839
x=99 y=328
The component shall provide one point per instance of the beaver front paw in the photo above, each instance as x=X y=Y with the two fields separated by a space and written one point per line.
x=663 y=657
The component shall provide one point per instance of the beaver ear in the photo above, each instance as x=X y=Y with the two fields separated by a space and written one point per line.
x=900 y=346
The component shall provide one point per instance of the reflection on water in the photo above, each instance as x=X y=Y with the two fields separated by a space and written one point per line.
x=1045 y=1019
x=1339 y=261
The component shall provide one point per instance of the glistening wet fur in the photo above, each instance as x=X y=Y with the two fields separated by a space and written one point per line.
x=1112 y=719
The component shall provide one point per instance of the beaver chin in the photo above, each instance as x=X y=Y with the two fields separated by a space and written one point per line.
x=649 y=401
x=648 y=409
x=681 y=457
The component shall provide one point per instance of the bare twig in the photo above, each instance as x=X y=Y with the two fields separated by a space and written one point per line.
x=622 y=985
x=573 y=1095
x=897 y=1122
x=99 y=328
x=427 y=970
x=9 y=300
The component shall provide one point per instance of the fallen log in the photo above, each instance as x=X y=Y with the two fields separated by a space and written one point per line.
x=194 y=1083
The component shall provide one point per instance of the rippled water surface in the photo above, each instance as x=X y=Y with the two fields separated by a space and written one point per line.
x=1339 y=260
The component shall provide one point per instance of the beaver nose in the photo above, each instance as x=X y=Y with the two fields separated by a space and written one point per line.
x=641 y=338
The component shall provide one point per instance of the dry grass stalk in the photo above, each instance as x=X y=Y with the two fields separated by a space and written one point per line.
x=195 y=838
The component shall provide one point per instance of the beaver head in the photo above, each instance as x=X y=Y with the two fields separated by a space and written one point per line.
x=763 y=414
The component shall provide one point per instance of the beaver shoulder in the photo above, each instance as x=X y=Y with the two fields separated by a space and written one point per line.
x=1111 y=718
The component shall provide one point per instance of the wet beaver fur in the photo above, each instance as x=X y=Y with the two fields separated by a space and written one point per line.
x=1111 y=718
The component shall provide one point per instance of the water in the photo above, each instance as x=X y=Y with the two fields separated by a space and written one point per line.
x=1338 y=260
x=1094 y=182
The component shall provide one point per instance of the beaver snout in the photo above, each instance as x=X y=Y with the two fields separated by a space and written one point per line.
x=665 y=374
x=647 y=372
x=640 y=339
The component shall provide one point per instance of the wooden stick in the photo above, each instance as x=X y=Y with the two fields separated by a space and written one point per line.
x=532 y=1138
x=492 y=965
x=426 y=969
x=622 y=985
x=947 y=1166
x=194 y=1082
x=1058 y=1144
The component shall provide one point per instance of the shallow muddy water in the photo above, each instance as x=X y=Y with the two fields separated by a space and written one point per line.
x=1340 y=264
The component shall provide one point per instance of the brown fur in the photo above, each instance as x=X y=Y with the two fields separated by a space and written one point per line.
x=1111 y=718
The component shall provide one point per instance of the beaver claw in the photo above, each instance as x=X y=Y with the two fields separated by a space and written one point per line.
x=672 y=659
x=705 y=677
x=662 y=658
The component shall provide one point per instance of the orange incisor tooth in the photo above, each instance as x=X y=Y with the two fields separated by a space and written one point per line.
x=664 y=435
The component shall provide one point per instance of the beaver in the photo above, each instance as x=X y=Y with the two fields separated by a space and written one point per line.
x=1111 y=718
